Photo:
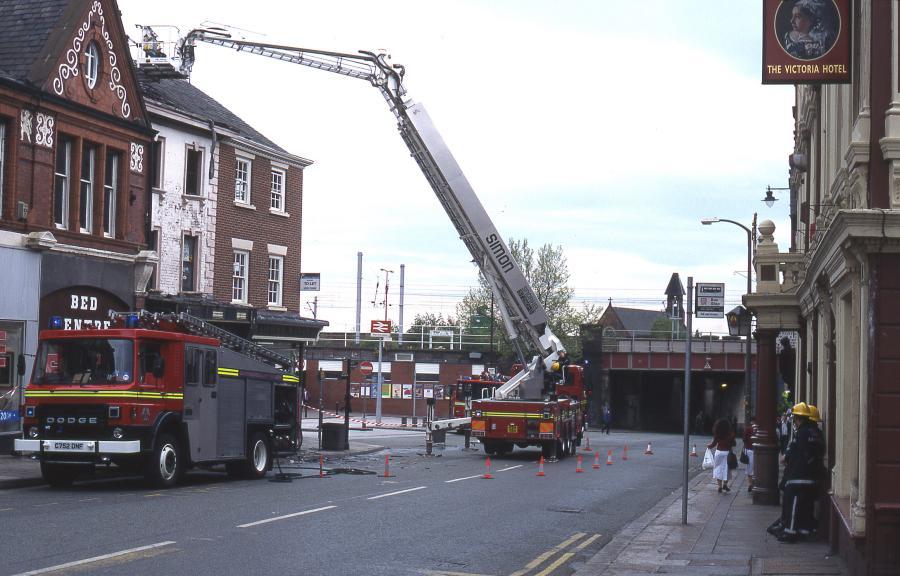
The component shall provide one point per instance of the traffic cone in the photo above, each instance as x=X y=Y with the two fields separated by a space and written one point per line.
x=596 y=460
x=609 y=457
x=587 y=446
x=541 y=467
x=487 y=464
x=321 y=464
x=578 y=467
x=387 y=469
x=694 y=451
x=625 y=455
x=649 y=449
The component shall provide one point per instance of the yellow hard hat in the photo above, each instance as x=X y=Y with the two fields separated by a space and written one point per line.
x=814 y=414
x=555 y=367
x=801 y=409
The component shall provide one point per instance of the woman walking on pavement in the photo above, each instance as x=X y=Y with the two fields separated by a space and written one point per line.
x=723 y=440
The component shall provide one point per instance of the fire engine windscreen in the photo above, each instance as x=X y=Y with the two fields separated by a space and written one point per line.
x=85 y=361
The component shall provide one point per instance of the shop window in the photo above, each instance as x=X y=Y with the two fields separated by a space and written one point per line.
x=61 y=182
x=110 y=193
x=188 y=263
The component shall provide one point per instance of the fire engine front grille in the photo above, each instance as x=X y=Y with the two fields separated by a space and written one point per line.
x=73 y=421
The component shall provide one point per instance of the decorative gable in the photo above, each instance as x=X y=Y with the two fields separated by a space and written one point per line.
x=94 y=67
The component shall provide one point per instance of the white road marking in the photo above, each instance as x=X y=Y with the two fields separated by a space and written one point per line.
x=286 y=516
x=395 y=493
x=510 y=468
x=95 y=559
x=461 y=479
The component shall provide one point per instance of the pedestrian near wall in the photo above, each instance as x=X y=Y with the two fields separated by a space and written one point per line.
x=749 y=431
x=723 y=440
x=607 y=418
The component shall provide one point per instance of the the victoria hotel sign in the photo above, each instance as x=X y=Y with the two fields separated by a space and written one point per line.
x=806 y=42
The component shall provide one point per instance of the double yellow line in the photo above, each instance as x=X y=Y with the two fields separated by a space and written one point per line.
x=563 y=557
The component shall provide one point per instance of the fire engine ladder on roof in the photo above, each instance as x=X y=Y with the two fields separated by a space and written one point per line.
x=234 y=342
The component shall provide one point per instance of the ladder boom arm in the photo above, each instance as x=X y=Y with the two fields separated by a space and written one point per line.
x=523 y=313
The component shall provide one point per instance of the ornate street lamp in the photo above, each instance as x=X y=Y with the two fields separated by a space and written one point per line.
x=738 y=321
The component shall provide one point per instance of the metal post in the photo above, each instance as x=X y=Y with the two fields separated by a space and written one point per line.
x=347 y=407
x=402 y=277
x=687 y=398
x=358 y=292
x=380 y=380
x=321 y=391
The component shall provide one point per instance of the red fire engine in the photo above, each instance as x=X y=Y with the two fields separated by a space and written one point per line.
x=157 y=395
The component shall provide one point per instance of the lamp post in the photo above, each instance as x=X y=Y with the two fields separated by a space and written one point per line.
x=707 y=222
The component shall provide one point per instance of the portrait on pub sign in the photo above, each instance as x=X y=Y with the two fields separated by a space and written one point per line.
x=807 y=29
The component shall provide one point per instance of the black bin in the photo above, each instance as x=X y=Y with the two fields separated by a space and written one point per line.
x=334 y=436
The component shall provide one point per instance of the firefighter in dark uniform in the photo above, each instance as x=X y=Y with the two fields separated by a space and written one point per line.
x=802 y=473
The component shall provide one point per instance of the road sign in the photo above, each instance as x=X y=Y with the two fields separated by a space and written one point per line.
x=365 y=368
x=710 y=300
x=380 y=327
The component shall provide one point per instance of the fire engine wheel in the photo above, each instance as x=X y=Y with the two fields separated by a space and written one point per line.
x=165 y=466
x=258 y=456
x=58 y=475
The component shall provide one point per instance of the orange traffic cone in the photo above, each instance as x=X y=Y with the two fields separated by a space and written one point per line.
x=649 y=449
x=321 y=464
x=587 y=445
x=540 y=467
x=609 y=457
x=387 y=470
x=578 y=467
x=487 y=473
x=596 y=460
x=694 y=451
x=625 y=455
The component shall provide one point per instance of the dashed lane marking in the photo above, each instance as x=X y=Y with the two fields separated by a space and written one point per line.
x=461 y=479
x=396 y=493
x=94 y=559
x=285 y=517
x=510 y=468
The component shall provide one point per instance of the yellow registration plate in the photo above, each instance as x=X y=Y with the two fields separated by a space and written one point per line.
x=511 y=429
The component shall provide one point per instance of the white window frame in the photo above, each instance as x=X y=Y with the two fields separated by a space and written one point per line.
x=278 y=199
x=239 y=275
x=243 y=172
x=195 y=264
x=276 y=280
x=91 y=64
x=63 y=180
x=111 y=192
x=86 y=189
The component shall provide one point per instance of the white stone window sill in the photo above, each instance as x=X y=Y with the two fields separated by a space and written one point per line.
x=242 y=302
x=276 y=308
x=279 y=213
x=244 y=205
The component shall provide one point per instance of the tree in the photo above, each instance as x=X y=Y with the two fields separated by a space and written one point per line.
x=429 y=321
x=548 y=274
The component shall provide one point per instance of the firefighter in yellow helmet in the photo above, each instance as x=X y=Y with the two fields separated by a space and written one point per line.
x=802 y=473
x=814 y=414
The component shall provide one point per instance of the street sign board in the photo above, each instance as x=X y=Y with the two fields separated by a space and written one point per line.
x=310 y=281
x=710 y=300
x=380 y=327
x=365 y=367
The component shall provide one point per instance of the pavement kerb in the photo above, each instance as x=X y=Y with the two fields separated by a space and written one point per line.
x=608 y=554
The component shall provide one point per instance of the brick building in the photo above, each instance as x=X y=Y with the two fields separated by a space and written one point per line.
x=74 y=143
x=226 y=216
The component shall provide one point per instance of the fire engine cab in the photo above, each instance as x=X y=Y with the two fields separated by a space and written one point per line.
x=157 y=394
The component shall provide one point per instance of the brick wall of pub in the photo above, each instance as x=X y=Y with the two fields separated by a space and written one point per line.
x=261 y=227
x=29 y=177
